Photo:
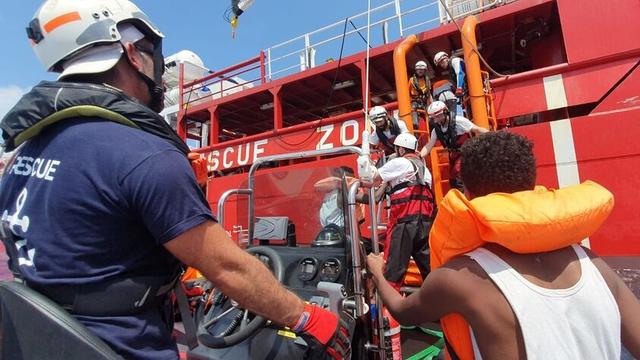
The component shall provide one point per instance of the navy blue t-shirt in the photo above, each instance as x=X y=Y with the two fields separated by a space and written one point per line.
x=94 y=199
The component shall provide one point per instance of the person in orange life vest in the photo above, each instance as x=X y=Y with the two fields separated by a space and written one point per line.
x=561 y=304
x=452 y=133
x=412 y=209
x=420 y=91
x=386 y=129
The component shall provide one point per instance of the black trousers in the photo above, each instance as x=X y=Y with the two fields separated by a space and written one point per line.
x=410 y=238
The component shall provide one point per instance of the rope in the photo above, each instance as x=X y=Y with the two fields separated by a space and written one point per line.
x=475 y=49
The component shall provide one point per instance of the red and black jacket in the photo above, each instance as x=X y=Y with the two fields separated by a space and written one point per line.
x=413 y=200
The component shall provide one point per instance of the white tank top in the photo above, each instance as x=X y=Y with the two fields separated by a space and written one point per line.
x=579 y=322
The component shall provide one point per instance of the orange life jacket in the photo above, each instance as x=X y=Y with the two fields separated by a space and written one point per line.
x=533 y=221
x=419 y=88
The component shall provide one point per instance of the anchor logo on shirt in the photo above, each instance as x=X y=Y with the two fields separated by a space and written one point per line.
x=15 y=221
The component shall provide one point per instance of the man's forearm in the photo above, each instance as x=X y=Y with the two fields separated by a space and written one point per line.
x=363 y=196
x=248 y=281
x=236 y=273
x=425 y=151
x=390 y=297
x=328 y=184
x=477 y=130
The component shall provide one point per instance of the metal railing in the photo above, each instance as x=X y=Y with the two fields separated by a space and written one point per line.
x=291 y=156
x=300 y=53
x=394 y=19
x=225 y=196
x=462 y=8
x=223 y=82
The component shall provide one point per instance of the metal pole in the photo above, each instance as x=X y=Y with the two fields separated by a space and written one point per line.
x=307 y=46
x=355 y=250
x=399 y=14
x=367 y=124
x=376 y=250
x=269 y=63
x=385 y=32
x=374 y=221
x=181 y=105
x=262 y=76
x=223 y=199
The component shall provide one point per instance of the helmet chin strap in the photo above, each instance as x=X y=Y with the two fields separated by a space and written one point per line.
x=156 y=92
x=154 y=86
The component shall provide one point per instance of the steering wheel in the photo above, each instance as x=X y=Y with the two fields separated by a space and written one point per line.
x=238 y=317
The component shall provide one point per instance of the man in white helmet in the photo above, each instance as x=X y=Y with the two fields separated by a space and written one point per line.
x=457 y=72
x=408 y=181
x=445 y=92
x=452 y=132
x=103 y=200
x=420 y=91
x=386 y=129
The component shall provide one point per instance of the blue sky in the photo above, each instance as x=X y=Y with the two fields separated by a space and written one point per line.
x=198 y=25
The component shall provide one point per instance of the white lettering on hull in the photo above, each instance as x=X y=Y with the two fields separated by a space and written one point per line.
x=242 y=154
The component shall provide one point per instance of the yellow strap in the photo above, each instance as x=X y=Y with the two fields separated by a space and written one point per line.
x=72 y=112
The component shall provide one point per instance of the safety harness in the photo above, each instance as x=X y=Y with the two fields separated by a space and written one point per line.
x=421 y=93
x=412 y=200
x=395 y=131
x=449 y=138
x=49 y=103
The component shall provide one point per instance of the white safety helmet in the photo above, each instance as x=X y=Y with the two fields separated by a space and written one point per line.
x=421 y=65
x=439 y=57
x=377 y=112
x=436 y=108
x=64 y=30
x=407 y=141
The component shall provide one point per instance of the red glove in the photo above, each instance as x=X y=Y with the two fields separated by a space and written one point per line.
x=459 y=92
x=199 y=166
x=322 y=329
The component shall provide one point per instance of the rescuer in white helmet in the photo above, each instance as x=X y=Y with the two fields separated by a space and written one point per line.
x=103 y=191
x=386 y=128
x=420 y=91
x=457 y=72
x=452 y=133
x=408 y=181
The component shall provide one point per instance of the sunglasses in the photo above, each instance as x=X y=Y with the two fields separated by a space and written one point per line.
x=144 y=50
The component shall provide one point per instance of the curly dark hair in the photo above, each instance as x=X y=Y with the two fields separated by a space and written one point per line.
x=498 y=162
